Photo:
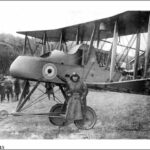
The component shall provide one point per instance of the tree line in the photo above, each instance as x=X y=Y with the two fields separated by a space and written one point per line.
x=10 y=48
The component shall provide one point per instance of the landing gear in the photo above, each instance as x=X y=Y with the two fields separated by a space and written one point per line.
x=57 y=113
x=87 y=123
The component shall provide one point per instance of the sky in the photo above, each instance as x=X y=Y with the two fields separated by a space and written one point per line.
x=40 y=15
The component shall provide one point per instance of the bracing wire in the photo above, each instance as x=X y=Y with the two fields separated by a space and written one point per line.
x=38 y=99
x=33 y=102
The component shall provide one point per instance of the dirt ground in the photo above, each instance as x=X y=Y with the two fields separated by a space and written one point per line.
x=119 y=116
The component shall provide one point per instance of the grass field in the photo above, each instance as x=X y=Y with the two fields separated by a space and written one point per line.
x=119 y=116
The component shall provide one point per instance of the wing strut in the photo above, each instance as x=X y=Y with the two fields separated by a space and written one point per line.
x=44 y=43
x=147 y=53
x=137 y=55
x=91 y=42
x=25 y=44
x=31 y=51
x=77 y=36
x=60 y=41
x=114 y=49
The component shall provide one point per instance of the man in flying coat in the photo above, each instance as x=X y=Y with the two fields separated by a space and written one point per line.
x=77 y=92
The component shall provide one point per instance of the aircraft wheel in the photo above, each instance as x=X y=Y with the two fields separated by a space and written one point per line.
x=3 y=114
x=88 y=122
x=56 y=121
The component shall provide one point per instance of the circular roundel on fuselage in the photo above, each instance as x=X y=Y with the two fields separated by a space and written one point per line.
x=49 y=71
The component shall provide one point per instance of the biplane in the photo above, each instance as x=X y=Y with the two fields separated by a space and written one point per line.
x=82 y=58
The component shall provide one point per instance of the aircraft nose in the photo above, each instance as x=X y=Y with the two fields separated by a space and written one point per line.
x=26 y=67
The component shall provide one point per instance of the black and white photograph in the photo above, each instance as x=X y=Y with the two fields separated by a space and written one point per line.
x=74 y=70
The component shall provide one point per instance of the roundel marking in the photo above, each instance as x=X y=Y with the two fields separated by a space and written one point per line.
x=49 y=71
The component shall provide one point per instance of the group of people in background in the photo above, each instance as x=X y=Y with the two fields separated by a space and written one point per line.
x=10 y=89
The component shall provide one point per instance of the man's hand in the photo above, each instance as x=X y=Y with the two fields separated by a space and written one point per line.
x=68 y=93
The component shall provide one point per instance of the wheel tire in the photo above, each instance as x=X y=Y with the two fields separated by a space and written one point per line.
x=3 y=114
x=56 y=121
x=88 y=122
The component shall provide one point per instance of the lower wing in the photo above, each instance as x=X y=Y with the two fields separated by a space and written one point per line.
x=138 y=86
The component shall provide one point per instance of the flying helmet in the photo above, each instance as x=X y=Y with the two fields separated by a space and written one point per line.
x=74 y=74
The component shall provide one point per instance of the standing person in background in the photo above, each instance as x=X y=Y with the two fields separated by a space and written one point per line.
x=49 y=89
x=8 y=89
x=2 y=87
x=17 y=88
x=2 y=92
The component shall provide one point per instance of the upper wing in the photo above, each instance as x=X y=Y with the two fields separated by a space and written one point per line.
x=129 y=22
